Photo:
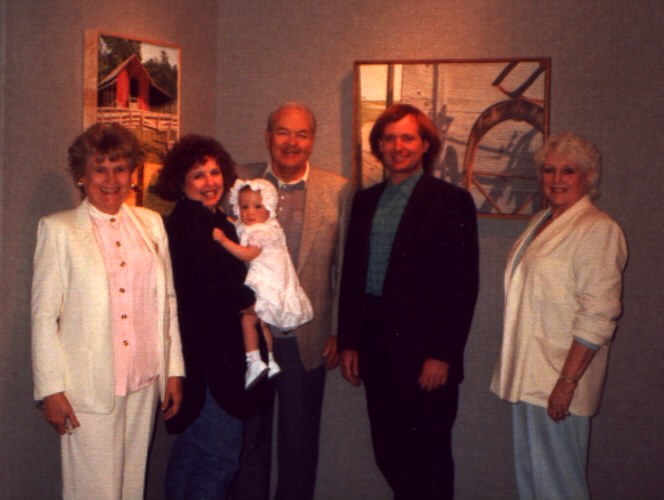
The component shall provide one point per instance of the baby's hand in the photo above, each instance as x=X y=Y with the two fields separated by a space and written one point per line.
x=218 y=235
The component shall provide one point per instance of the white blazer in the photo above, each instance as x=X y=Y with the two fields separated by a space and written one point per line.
x=72 y=347
x=567 y=285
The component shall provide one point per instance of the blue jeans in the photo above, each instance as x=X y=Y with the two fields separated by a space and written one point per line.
x=205 y=457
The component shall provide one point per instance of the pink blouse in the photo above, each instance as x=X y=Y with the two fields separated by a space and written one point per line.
x=130 y=269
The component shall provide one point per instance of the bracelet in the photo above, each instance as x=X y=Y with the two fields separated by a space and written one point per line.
x=568 y=379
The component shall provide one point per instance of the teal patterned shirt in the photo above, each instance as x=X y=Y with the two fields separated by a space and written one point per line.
x=384 y=227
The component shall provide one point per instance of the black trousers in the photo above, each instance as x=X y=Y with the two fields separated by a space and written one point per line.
x=411 y=429
x=300 y=401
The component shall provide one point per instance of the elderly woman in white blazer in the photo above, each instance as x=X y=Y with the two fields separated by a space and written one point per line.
x=563 y=285
x=105 y=338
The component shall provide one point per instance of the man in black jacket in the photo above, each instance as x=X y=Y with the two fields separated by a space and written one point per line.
x=408 y=291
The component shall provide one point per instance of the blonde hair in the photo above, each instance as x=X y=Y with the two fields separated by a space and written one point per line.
x=577 y=150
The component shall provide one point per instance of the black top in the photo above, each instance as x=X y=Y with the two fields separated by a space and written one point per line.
x=209 y=283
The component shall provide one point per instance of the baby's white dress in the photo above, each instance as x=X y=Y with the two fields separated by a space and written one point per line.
x=280 y=300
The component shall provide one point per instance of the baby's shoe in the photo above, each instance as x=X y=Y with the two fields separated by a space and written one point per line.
x=272 y=365
x=256 y=370
x=273 y=368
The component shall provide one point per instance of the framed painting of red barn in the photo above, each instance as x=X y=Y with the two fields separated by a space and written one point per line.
x=135 y=82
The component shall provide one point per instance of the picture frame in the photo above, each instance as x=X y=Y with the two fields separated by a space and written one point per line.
x=492 y=114
x=135 y=82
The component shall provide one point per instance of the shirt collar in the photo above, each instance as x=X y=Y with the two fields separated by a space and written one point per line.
x=99 y=215
x=269 y=174
x=405 y=187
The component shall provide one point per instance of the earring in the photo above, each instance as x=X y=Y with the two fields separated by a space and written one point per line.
x=79 y=184
x=134 y=186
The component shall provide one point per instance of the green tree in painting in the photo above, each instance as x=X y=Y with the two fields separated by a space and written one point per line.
x=163 y=73
x=113 y=51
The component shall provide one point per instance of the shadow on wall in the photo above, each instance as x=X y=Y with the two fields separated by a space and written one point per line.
x=26 y=431
x=53 y=193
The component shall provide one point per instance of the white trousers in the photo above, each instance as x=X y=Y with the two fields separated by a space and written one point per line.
x=105 y=458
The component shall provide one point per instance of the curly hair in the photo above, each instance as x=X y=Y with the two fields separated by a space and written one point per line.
x=427 y=130
x=103 y=140
x=577 y=150
x=190 y=151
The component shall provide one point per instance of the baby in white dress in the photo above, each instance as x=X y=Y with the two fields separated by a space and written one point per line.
x=280 y=300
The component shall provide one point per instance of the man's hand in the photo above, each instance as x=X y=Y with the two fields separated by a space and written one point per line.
x=172 y=397
x=59 y=413
x=433 y=375
x=330 y=353
x=350 y=368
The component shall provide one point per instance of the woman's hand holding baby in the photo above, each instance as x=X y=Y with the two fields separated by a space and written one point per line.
x=219 y=236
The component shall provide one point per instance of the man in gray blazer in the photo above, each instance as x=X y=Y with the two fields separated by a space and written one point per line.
x=313 y=208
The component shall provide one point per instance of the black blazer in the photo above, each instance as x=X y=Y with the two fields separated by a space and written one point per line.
x=209 y=283
x=431 y=283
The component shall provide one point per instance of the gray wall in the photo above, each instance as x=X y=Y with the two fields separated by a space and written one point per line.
x=240 y=59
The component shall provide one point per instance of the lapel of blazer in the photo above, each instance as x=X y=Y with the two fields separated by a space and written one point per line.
x=142 y=228
x=313 y=213
x=85 y=236
x=358 y=239
x=367 y=212
x=558 y=230
x=142 y=225
x=87 y=255
x=518 y=248
x=412 y=214
x=560 y=227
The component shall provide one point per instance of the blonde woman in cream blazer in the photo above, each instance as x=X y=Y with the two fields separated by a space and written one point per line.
x=563 y=286
x=104 y=422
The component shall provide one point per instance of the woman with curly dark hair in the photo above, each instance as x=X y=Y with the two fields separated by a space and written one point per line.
x=209 y=283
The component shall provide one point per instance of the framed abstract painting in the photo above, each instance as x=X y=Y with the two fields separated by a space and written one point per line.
x=492 y=115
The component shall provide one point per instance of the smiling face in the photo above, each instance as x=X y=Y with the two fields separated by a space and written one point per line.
x=290 y=142
x=205 y=183
x=402 y=148
x=252 y=210
x=562 y=182
x=106 y=183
